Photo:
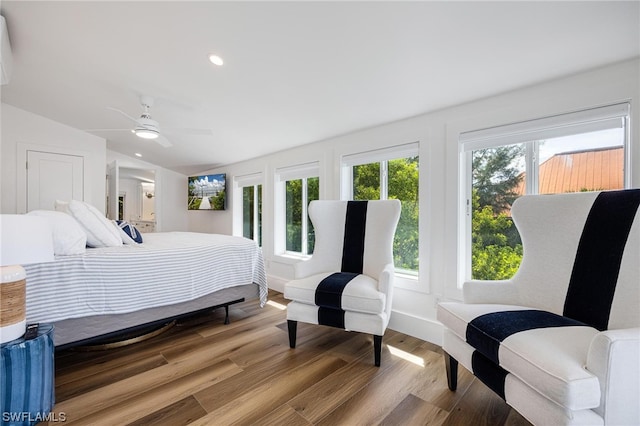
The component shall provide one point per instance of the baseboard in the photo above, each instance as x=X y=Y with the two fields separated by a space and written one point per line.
x=422 y=328
x=276 y=283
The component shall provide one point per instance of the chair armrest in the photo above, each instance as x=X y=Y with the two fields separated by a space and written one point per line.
x=385 y=285
x=614 y=357
x=312 y=266
x=385 y=280
x=302 y=269
x=501 y=292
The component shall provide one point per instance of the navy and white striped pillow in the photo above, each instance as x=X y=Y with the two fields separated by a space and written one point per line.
x=128 y=232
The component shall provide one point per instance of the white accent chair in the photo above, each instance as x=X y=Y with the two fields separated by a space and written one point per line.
x=348 y=281
x=572 y=355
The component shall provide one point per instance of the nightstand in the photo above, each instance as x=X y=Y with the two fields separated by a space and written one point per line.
x=27 y=392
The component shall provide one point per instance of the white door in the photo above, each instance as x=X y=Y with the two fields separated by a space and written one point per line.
x=113 y=191
x=52 y=177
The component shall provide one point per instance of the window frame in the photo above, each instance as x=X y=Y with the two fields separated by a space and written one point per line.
x=257 y=200
x=383 y=156
x=529 y=133
x=254 y=180
x=281 y=176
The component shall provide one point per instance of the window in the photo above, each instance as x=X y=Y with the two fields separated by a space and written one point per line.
x=391 y=173
x=252 y=213
x=121 y=203
x=300 y=233
x=581 y=151
x=300 y=185
x=250 y=207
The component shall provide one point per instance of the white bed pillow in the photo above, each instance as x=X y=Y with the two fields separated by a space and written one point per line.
x=61 y=206
x=68 y=236
x=100 y=231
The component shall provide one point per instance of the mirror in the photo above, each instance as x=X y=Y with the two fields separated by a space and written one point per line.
x=136 y=197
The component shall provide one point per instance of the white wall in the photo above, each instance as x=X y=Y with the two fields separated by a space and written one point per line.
x=414 y=304
x=171 y=201
x=148 y=208
x=22 y=130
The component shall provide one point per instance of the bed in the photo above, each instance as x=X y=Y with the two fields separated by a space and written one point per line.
x=109 y=289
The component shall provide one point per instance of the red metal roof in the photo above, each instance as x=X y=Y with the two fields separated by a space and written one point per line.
x=592 y=170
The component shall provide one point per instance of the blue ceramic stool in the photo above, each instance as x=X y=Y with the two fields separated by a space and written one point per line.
x=27 y=392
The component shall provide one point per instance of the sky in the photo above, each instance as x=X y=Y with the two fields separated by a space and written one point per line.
x=599 y=139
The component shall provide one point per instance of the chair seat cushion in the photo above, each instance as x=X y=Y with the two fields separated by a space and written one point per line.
x=360 y=294
x=374 y=324
x=546 y=351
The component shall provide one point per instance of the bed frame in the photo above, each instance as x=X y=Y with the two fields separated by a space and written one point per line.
x=89 y=330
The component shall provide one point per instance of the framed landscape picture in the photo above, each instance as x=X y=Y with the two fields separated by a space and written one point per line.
x=207 y=192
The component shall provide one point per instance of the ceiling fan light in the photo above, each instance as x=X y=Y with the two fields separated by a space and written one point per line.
x=146 y=133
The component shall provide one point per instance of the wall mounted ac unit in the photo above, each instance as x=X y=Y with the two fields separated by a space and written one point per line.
x=6 y=57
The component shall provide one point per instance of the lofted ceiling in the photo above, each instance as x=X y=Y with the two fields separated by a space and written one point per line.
x=294 y=72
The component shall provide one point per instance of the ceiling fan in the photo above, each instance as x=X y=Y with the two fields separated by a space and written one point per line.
x=146 y=127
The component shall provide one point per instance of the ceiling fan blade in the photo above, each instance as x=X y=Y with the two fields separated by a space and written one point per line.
x=107 y=130
x=161 y=140
x=123 y=113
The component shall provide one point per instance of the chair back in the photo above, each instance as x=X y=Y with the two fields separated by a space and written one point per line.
x=354 y=236
x=581 y=255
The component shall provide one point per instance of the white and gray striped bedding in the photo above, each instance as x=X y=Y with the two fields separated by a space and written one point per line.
x=167 y=268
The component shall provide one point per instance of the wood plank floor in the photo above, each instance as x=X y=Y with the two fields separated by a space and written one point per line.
x=203 y=372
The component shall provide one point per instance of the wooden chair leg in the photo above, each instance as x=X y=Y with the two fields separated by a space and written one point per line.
x=377 y=349
x=451 y=364
x=293 y=327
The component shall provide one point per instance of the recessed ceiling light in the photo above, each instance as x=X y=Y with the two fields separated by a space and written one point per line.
x=138 y=154
x=216 y=60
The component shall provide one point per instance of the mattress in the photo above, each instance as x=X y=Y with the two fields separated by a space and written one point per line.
x=167 y=268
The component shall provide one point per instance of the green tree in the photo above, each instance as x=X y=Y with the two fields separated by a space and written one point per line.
x=366 y=182
x=294 y=213
x=217 y=201
x=402 y=185
x=496 y=249
x=247 y=211
x=496 y=176
x=492 y=255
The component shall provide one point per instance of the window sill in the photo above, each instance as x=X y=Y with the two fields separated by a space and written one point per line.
x=405 y=280
x=291 y=258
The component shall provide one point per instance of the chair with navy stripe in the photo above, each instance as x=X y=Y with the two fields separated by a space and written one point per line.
x=560 y=341
x=348 y=281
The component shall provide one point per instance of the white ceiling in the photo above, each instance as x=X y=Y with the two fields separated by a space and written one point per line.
x=295 y=72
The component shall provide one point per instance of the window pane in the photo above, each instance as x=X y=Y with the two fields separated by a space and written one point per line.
x=294 y=215
x=586 y=162
x=366 y=182
x=590 y=159
x=259 y=187
x=121 y=207
x=497 y=179
x=313 y=193
x=247 y=211
x=403 y=186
